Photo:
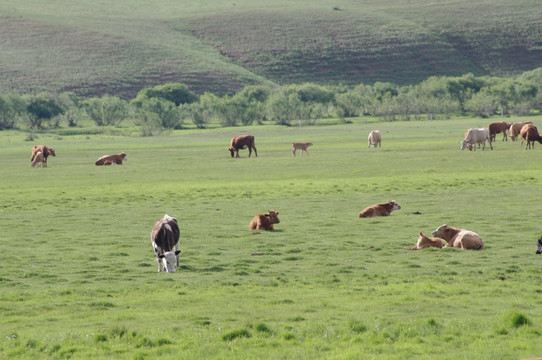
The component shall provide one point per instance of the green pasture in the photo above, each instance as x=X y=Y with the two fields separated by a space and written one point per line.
x=79 y=279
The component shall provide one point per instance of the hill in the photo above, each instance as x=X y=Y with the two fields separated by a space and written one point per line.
x=220 y=46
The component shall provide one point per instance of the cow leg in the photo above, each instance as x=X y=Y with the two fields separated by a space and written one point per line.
x=249 y=151
x=177 y=249
x=307 y=152
x=293 y=151
x=255 y=152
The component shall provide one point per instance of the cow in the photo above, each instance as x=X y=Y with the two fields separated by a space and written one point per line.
x=116 y=159
x=165 y=242
x=45 y=151
x=530 y=133
x=264 y=221
x=424 y=241
x=242 y=142
x=375 y=138
x=379 y=209
x=39 y=160
x=475 y=136
x=515 y=129
x=300 y=146
x=459 y=238
x=498 y=127
x=539 y=243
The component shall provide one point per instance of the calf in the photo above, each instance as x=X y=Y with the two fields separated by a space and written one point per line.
x=45 y=151
x=375 y=138
x=301 y=146
x=264 y=221
x=424 y=241
x=459 y=238
x=498 y=127
x=165 y=242
x=39 y=160
x=379 y=209
x=116 y=159
x=242 y=142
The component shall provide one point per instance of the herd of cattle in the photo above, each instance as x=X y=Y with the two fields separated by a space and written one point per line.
x=165 y=233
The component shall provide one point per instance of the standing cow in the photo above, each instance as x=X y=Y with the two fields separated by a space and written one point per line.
x=242 y=142
x=165 y=242
x=476 y=136
x=45 y=151
x=375 y=139
x=498 y=127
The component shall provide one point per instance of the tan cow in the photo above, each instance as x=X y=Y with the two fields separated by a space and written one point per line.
x=379 y=209
x=300 y=146
x=242 y=142
x=459 y=238
x=476 y=136
x=264 y=221
x=39 y=160
x=45 y=151
x=116 y=159
x=375 y=138
x=424 y=241
x=515 y=129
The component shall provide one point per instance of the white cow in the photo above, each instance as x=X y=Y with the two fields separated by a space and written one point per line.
x=476 y=136
x=165 y=242
x=375 y=138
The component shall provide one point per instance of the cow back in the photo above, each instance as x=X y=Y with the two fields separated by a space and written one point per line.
x=165 y=234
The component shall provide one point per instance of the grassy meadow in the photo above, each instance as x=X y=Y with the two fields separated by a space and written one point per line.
x=79 y=278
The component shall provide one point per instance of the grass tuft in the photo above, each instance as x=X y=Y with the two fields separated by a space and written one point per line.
x=243 y=333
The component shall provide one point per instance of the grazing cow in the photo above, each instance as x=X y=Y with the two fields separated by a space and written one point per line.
x=116 y=159
x=476 y=136
x=459 y=238
x=264 y=221
x=379 y=209
x=424 y=241
x=530 y=133
x=375 y=138
x=242 y=142
x=539 y=243
x=165 y=242
x=515 y=129
x=39 y=160
x=301 y=146
x=498 y=127
x=45 y=151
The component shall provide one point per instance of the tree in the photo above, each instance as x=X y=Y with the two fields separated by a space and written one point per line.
x=107 y=110
x=177 y=93
x=12 y=107
x=42 y=108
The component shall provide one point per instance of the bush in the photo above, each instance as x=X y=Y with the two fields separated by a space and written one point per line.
x=243 y=333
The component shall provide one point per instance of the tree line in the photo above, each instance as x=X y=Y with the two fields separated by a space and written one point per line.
x=172 y=105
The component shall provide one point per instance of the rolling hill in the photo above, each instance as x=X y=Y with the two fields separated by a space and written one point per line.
x=220 y=46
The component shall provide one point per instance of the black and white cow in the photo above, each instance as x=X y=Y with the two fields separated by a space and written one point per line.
x=165 y=241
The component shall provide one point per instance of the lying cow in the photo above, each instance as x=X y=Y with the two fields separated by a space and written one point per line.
x=300 y=146
x=264 y=221
x=379 y=209
x=459 y=238
x=39 y=160
x=165 y=242
x=476 y=136
x=515 y=129
x=375 y=138
x=242 y=142
x=424 y=241
x=45 y=151
x=116 y=159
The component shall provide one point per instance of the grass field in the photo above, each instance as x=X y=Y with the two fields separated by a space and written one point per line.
x=79 y=278
x=220 y=46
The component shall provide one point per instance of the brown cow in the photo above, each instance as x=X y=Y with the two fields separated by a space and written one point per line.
x=264 y=221
x=300 y=146
x=424 y=241
x=242 y=142
x=116 y=159
x=459 y=238
x=498 y=127
x=530 y=133
x=39 y=160
x=46 y=151
x=379 y=209
x=515 y=129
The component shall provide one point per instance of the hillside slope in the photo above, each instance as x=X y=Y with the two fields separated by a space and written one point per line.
x=220 y=46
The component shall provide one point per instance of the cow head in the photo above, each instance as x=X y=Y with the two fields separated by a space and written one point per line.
x=273 y=217
x=51 y=151
x=232 y=151
x=169 y=260
x=395 y=205
x=443 y=232
x=124 y=157
x=465 y=144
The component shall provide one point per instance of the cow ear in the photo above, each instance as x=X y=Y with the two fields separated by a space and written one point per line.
x=177 y=252
x=421 y=234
